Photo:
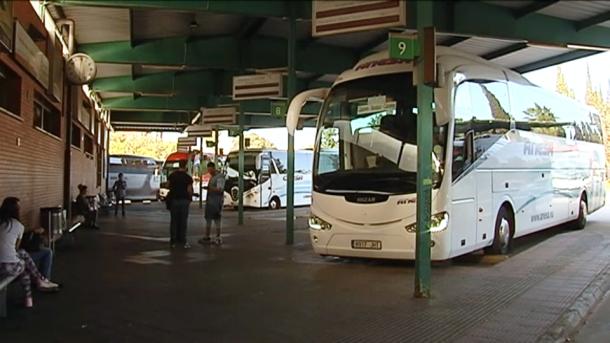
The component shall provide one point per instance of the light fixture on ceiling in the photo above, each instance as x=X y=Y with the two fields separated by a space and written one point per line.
x=196 y=118
x=587 y=47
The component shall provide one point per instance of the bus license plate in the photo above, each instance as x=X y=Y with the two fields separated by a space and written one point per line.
x=366 y=244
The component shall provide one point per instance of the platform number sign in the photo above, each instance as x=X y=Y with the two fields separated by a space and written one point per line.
x=403 y=47
x=278 y=109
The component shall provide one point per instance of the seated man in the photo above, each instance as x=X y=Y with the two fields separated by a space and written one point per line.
x=85 y=208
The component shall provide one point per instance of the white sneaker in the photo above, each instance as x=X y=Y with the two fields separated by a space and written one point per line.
x=46 y=284
x=218 y=241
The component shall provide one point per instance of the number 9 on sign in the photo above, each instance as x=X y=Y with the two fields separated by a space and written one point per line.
x=402 y=47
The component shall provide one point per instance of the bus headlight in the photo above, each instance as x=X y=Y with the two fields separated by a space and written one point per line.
x=317 y=223
x=438 y=223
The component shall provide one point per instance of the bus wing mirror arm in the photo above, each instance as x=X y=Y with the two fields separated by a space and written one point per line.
x=297 y=103
x=469 y=145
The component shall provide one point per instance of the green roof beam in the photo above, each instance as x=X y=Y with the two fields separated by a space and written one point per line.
x=569 y=56
x=153 y=103
x=533 y=8
x=225 y=52
x=595 y=20
x=257 y=8
x=142 y=117
x=500 y=22
x=196 y=82
x=212 y=82
x=505 y=51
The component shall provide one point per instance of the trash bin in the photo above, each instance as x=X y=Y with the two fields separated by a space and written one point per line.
x=53 y=220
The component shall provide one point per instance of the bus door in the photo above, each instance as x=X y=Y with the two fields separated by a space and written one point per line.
x=464 y=199
x=265 y=181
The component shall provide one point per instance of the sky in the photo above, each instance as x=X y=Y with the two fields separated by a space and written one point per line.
x=575 y=73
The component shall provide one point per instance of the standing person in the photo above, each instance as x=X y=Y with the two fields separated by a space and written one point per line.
x=179 y=197
x=120 y=192
x=197 y=164
x=214 y=203
x=85 y=208
x=17 y=262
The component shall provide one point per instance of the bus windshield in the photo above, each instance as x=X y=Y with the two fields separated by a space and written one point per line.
x=302 y=161
x=366 y=139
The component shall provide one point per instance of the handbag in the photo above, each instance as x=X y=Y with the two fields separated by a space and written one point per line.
x=168 y=200
x=31 y=242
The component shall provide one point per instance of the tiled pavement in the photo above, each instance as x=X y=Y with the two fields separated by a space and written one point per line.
x=123 y=284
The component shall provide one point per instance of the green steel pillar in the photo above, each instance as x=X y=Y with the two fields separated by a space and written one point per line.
x=200 y=172
x=291 y=93
x=216 y=146
x=240 y=194
x=424 y=161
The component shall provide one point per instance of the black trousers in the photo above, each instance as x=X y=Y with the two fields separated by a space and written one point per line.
x=179 y=219
x=116 y=208
x=91 y=219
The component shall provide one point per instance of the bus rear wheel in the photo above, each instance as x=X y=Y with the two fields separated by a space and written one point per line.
x=503 y=233
x=275 y=204
x=581 y=221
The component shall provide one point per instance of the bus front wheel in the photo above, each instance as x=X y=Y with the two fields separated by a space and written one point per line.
x=274 y=203
x=503 y=233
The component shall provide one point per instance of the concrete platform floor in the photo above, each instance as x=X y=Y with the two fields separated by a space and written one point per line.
x=124 y=284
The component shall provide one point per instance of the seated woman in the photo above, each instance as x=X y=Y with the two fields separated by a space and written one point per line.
x=33 y=243
x=17 y=262
x=84 y=207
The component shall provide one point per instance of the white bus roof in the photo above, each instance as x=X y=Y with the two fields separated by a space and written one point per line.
x=450 y=58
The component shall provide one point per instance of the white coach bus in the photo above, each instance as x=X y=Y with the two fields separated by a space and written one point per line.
x=265 y=178
x=509 y=159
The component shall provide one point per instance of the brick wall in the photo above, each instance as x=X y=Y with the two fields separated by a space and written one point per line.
x=31 y=160
x=32 y=170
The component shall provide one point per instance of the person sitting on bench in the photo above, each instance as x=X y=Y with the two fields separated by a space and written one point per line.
x=16 y=262
x=34 y=243
x=85 y=208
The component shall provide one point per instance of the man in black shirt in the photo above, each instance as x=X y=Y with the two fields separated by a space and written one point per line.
x=180 y=196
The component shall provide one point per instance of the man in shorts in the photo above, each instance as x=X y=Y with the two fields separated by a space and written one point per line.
x=214 y=203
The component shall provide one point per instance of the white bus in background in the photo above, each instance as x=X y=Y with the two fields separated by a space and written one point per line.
x=141 y=174
x=509 y=159
x=265 y=178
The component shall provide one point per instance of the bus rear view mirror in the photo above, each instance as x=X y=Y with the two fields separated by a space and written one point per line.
x=297 y=103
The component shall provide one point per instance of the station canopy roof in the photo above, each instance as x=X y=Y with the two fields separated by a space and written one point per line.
x=159 y=62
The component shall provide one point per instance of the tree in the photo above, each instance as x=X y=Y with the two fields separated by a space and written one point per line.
x=561 y=85
x=543 y=114
x=330 y=138
x=256 y=142
x=595 y=99
x=148 y=144
x=497 y=111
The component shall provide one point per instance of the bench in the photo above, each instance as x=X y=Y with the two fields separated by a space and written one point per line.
x=4 y=282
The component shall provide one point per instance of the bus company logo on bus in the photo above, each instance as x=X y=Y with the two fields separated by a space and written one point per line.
x=384 y=62
x=366 y=199
x=406 y=201
x=537 y=149
x=296 y=178
x=542 y=216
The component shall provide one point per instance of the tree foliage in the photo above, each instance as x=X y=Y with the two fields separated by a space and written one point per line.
x=148 y=144
x=543 y=114
x=561 y=85
x=256 y=142
x=330 y=138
